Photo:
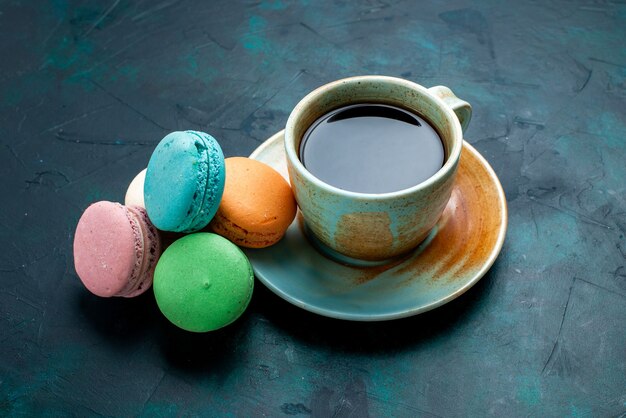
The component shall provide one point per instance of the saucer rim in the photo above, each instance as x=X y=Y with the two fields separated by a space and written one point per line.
x=364 y=317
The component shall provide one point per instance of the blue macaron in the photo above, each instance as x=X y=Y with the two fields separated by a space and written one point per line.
x=184 y=181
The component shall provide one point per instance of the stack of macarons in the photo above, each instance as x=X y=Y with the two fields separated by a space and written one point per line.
x=202 y=281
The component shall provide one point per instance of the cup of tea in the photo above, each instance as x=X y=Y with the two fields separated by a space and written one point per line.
x=372 y=161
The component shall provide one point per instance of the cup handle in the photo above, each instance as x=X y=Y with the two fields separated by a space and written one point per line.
x=461 y=108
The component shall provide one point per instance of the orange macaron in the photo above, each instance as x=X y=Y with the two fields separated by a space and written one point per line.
x=257 y=206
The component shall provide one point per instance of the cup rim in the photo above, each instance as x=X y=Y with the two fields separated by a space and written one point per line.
x=449 y=165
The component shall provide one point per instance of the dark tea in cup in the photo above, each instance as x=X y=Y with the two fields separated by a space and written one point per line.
x=372 y=148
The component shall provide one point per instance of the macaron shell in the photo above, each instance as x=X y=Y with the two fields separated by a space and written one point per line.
x=257 y=206
x=107 y=248
x=134 y=193
x=184 y=181
x=203 y=282
x=172 y=181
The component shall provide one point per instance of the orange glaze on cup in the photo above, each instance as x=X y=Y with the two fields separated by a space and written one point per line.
x=257 y=206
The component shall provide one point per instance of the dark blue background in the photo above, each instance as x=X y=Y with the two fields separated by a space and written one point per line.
x=88 y=88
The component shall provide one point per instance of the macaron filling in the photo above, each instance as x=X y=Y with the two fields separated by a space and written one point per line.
x=190 y=221
x=152 y=238
x=210 y=187
x=150 y=249
x=135 y=276
x=215 y=182
x=241 y=236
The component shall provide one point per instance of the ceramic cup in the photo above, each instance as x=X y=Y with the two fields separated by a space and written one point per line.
x=370 y=229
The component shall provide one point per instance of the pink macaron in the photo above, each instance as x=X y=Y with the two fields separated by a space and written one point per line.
x=116 y=249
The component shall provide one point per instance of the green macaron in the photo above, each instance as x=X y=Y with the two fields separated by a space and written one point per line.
x=203 y=282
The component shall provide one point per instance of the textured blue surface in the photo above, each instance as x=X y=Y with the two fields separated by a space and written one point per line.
x=88 y=88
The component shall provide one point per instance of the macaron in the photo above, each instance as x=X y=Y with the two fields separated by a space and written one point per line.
x=184 y=181
x=203 y=282
x=257 y=206
x=134 y=193
x=116 y=249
